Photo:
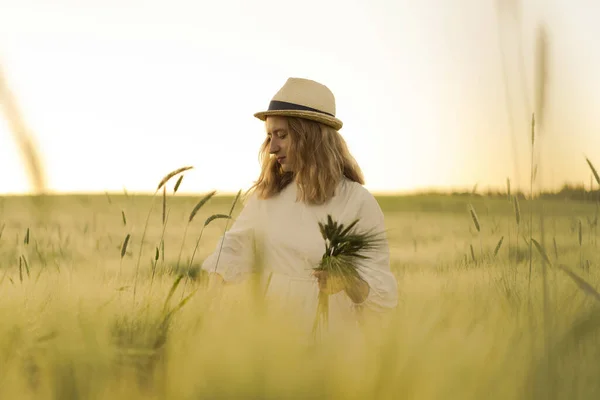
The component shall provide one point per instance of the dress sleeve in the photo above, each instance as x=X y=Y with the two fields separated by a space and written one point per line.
x=375 y=270
x=233 y=257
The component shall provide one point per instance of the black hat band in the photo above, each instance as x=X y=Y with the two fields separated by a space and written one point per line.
x=276 y=105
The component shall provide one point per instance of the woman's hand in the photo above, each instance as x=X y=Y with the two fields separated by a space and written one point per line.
x=329 y=284
x=356 y=289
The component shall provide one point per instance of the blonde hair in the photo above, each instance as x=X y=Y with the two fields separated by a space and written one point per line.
x=321 y=161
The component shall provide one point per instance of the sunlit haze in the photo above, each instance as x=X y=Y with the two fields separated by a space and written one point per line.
x=119 y=93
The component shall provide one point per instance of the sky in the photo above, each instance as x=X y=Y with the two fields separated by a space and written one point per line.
x=119 y=93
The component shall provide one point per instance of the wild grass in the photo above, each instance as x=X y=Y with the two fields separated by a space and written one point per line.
x=463 y=329
x=23 y=136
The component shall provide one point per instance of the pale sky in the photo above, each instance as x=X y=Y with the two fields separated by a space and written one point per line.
x=119 y=93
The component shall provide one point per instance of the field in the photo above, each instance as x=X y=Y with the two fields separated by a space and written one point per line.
x=84 y=318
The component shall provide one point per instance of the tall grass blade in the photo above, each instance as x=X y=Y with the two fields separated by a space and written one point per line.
x=177 y=184
x=23 y=137
x=498 y=246
x=200 y=204
x=206 y=223
x=237 y=197
x=26 y=266
x=125 y=244
x=171 y=292
x=474 y=218
x=541 y=250
x=164 y=205
x=594 y=171
x=214 y=217
x=170 y=175
x=583 y=285
x=190 y=219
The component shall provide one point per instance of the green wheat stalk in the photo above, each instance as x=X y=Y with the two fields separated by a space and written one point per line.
x=344 y=249
x=163 y=182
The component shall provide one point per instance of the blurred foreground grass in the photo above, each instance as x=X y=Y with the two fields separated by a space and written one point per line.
x=469 y=324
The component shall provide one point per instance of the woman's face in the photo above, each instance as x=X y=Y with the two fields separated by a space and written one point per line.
x=279 y=144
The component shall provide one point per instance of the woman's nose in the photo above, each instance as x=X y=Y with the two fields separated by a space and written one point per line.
x=273 y=147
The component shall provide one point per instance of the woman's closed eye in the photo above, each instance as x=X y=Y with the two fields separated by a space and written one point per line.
x=279 y=133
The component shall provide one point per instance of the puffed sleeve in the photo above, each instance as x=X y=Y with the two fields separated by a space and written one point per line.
x=375 y=270
x=233 y=257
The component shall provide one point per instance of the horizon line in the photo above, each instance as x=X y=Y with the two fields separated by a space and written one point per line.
x=229 y=193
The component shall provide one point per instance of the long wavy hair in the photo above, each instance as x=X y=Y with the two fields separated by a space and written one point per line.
x=321 y=160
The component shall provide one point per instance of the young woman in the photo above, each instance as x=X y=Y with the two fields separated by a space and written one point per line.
x=307 y=174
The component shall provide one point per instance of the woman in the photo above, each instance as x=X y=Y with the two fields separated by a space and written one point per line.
x=307 y=174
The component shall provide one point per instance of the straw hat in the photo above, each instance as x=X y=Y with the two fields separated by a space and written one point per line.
x=303 y=98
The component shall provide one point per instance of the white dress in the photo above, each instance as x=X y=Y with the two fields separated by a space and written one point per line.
x=286 y=234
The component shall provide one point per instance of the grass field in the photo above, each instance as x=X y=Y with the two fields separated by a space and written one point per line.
x=80 y=319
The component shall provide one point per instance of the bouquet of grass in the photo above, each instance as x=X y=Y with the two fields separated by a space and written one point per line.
x=344 y=247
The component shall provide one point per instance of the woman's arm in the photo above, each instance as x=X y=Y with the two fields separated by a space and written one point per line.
x=376 y=286
x=233 y=257
x=377 y=289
